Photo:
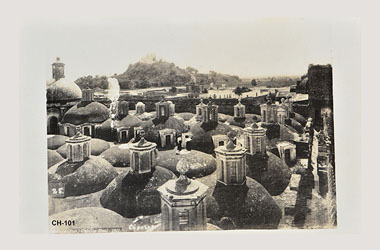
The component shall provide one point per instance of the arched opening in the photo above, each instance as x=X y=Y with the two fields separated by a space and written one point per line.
x=53 y=125
x=124 y=136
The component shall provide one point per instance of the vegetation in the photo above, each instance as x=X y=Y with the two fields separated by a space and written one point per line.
x=157 y=73
x=173 y=89
x=240 y=90
x=91 y=82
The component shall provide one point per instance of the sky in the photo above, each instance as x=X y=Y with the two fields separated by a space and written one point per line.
x=255 y=48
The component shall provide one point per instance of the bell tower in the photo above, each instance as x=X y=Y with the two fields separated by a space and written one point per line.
x=231 y=163
x=58 y=69
x=183 y=206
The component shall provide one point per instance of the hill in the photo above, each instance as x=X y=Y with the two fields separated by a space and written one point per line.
x=152 y=72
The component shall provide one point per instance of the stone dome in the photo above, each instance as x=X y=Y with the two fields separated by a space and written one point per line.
x=93 y=112
x=63 y=90
x=202 y=164
x=153 y=126
x=202 y=136
x=275 y=178
x=248 y=206
x=132 y=195
x=89 y=176
x=105 y=131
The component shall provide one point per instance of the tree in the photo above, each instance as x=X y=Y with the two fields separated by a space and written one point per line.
x=238 y=91
x=173 y=89
x=253 y=82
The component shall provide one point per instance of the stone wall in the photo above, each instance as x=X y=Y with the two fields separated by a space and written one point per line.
x=226 y=106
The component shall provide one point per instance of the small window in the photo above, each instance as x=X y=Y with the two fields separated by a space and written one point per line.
x=221 y=143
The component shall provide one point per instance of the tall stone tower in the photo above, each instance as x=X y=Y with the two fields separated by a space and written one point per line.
x=58 y=69
x=142 y=155
x=254 y=139
x=231 y=163
x=183 y=205
x=78 y=147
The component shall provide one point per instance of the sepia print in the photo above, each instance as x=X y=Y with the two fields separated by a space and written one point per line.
x=162 y=147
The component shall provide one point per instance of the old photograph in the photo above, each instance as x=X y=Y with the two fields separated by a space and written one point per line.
x=190 y=126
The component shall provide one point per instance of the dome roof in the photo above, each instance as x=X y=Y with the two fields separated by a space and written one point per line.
x=153 y=126
x=202 y=136
x=93 y=112
x=202 y=164
x=63 y=90
x=277 y=175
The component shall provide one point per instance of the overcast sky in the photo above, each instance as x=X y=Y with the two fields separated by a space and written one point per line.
x=265 y=47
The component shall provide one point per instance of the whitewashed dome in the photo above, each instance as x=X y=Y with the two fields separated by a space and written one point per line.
x=63 y=90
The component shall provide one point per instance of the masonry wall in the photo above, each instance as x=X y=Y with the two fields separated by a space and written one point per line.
x=226 y=106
